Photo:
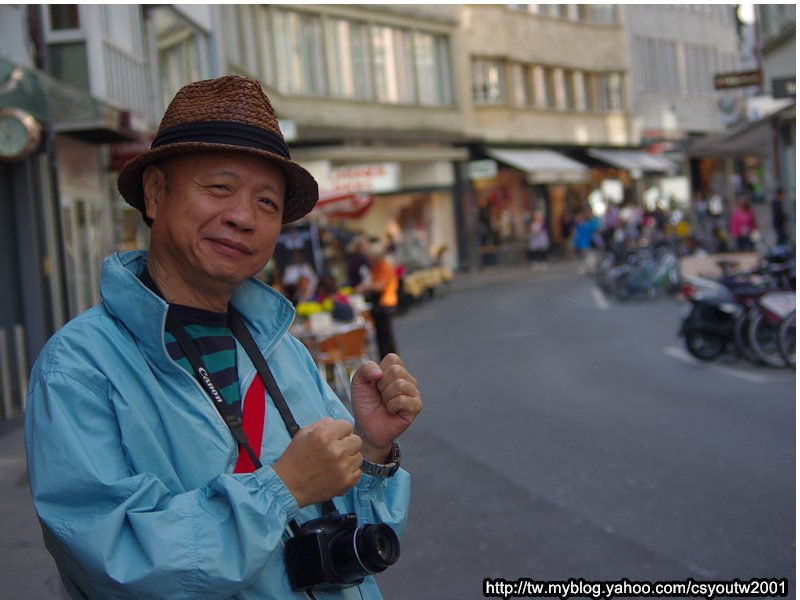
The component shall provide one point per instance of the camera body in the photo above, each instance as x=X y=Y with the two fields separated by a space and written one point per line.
x=333 y=552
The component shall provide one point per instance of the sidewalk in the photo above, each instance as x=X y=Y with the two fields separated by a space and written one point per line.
x=26 y=571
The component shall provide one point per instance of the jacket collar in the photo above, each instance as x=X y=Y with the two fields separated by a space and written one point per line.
x=267 y=313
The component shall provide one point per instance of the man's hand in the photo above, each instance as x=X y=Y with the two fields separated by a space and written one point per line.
x=385 y=401
x=323 y=460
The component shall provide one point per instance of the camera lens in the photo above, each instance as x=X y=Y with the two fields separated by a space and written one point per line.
x=377 y=547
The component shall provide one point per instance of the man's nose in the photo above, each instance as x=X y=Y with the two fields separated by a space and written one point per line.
x=240 y=211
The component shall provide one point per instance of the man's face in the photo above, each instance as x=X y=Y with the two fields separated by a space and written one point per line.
x=216 y=216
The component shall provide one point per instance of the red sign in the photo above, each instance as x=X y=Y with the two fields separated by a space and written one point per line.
x=122 y=153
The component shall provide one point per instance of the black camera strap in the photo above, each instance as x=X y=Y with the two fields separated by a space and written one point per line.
x=241 y=333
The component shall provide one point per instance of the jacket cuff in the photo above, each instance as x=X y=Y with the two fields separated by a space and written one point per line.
x=281 y=495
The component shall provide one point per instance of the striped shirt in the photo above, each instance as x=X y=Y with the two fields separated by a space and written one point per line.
x=217 y=347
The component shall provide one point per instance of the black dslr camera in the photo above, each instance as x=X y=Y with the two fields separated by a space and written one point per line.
x=333 y=552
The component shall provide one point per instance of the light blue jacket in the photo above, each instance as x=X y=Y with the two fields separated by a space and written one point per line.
x=131 y=466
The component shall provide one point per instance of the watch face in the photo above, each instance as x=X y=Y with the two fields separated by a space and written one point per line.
x=19 y=133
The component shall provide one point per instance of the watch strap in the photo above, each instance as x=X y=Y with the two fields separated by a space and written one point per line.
x=387 y=470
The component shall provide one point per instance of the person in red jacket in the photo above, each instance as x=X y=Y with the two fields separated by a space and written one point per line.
x=743 y=224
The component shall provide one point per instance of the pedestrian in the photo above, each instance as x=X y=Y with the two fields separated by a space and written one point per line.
x=538 y=243
x=358 y=268
x=778 y=217
x=297 y=269
x=147 y=480
x=382 y=292
x=743 y=225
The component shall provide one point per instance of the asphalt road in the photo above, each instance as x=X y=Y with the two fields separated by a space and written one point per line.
x=565 y=436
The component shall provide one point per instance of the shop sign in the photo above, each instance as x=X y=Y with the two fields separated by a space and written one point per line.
x=125 y=151
x=783 y=87
x=482 y=169
x=725 y=81
x=374 y=178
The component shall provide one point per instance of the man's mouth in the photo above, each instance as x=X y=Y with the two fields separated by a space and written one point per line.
x=229 y=245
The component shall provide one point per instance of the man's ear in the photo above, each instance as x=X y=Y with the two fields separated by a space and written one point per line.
x=153 y=183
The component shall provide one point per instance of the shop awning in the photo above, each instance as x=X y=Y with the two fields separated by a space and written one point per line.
x=751 y=138
x=68 y=109
x=542 y=166
x=634 y=160
x=345 y=205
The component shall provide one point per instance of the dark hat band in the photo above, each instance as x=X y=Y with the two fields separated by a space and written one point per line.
x=223 y=132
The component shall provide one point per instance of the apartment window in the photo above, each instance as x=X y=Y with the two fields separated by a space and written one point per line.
x=609 y=91
x=121 y=26
x=64 y=17
x=570 y=99
x=639 y=63
x=433 y=69
x=682 y=68
x=182 y=52
x=673 y=80
x=581 y=89
x=550 y=88
x=299 y=48
x=600 y=14
x=69 y=63
x=590 y=89
x=537 y=85
x=519 y=86
x=487 y=81
x=556 y=10
x=350 y=68
x=249 y=39
x=393 y=60
x=559 y=89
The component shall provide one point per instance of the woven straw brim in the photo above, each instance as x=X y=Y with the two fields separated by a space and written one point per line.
x=302 y=191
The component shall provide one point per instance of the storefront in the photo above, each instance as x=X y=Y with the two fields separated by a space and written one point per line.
x=523 y=182
x=46 y=213
x=753 y=157
x=407 y=203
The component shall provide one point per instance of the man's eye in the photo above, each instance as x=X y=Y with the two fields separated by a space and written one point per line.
x=268 y=203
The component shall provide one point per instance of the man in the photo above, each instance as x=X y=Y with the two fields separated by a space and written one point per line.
x=381 y=289
x=778 y=217
x=140 y=487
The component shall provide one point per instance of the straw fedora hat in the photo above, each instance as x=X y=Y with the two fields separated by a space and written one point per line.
x=228 y=114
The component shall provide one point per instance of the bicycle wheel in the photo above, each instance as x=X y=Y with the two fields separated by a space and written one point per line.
x=786 y=338
x=742 y=340
x=764 y=340
x=627 y=285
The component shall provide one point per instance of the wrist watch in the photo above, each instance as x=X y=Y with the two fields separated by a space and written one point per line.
x=387 y=470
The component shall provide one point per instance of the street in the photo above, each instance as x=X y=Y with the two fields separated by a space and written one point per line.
x=563 y=436
x=566 y=436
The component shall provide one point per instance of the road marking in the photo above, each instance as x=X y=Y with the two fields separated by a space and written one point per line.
x=600 y=299
x=684 y=356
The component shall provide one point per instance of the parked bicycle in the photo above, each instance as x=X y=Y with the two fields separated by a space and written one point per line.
x=657 y=276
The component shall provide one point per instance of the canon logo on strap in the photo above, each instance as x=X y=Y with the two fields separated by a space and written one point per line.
x=207 y=380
